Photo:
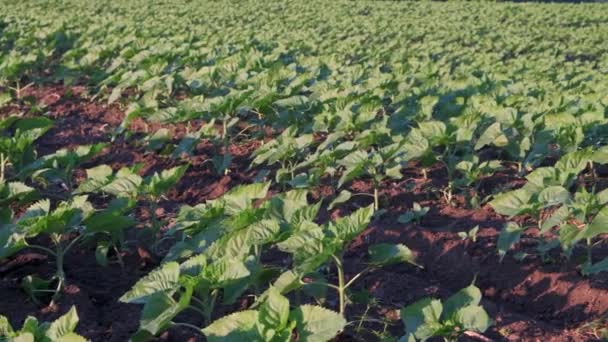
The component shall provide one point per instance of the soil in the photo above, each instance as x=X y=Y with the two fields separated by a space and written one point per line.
x=531 y=300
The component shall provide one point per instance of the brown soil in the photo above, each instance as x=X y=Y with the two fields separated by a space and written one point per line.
x=531 y=300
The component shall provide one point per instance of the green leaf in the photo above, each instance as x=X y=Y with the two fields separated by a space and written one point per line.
x=10 y=241
x=24 y=337
x=602 y=196
x=554 y=195
x=100 y=172
x=101 y=253
x=469 y=296
x=509 y=236
x=558 y=216
x=240 y=197
x=432 y=130
x=315 y=323
x=598 y=225
x=422 y=318
x=473 y=318
x=600 y=156
x=5 y=327
x=125 y=184
x=309 y=234
x=236 y=327
x=292 y=101
x=71 y=337
x=226 y=271
x=489 y=136
x=342 y=197
x=574 y=162
x=415 y=214
x=14 y=192
x=347 y=228
x=387 y=254
x=32 y=285
x=62 y=326
x=285 y=283
x=355 y=167
x=351 y=173
x=596 y=268
x=159 y=184
x=164 y=278
x=159 y=310
x=274 y=313
x=511 y=203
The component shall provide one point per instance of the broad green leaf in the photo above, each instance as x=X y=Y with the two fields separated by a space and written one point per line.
x=574 y=162
x=62 y=326
x=387 y=254
x=511 y=203
x=489 y=136
x=315 y=323
x=554 y=195
x=598 y=225
x=274 y=313
x=342 y=197
x=236 y=327
x=469 y=296
x=164 y=278
x=72 y=337
x=240 y=198
x=159 y=310
x=602 y=196
x=509 y=236
x=556 y=218
x=347 y=228
x=101 y=253
x=226 y=271
x=422 y=318
x=355 y=164
x=473 y=318
x=123 y=185
x=10 y=241
x=596 y=268
x=432 y=130
x=285 y=283
x=568 y=235
x=24 y=337
x=159 y=184
x=600 y=155
x=5 y=327
x=293 y=101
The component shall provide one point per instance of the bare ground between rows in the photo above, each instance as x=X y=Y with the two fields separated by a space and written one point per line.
x=529 y=300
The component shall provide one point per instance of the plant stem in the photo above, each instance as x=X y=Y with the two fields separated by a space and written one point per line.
x=199 y=302
x=46 y=250
x=226 y=142
x=194 y=308
x=376 y=200
x=589 y=252
x=593 y=174
x=341 y=287
x=155 y=223
x=187 y=325
x=363 y=317
x=59 y=274
x=119 y=257
x=60 y=253
x=519 y=167
x=350 y=282
x=210 y=305
x=2 y=165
